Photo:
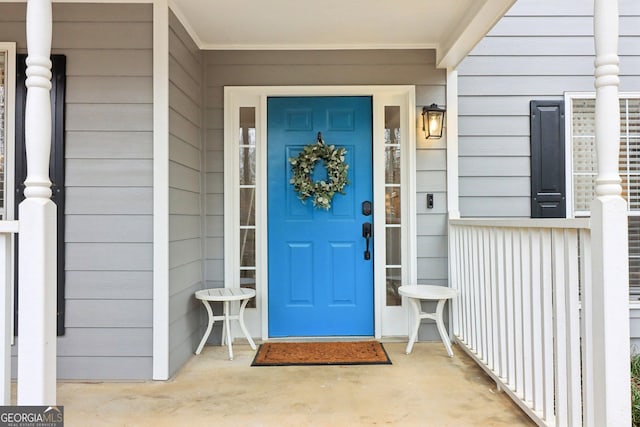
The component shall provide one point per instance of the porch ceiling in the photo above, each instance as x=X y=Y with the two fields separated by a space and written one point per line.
x=451 y=27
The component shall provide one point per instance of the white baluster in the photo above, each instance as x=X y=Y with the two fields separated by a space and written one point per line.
x=37 y=249
x=608 y=297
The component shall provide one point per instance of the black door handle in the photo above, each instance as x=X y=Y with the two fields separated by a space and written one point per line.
x=366 y=233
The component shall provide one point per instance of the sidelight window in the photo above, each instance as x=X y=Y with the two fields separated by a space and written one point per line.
x=247 y=168
x=393 y=217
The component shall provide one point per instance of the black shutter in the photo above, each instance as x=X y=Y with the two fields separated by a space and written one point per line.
x=548 y=181
x=56 y=164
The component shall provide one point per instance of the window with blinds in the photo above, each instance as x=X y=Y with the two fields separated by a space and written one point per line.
x=584 y=168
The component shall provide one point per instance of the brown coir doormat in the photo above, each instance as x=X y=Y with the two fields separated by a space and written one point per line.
x=321 y=353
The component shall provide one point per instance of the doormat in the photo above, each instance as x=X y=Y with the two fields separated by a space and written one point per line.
x=321 y=353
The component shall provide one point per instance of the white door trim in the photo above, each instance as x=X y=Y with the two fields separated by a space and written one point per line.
x=389 y=321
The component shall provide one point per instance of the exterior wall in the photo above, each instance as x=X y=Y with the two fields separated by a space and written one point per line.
x=415 y=67
x=185 y=192
x=109 y=177
x=539 y=50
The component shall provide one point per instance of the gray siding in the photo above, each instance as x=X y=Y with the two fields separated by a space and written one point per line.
x=185 y=191
x=109 y=177
x=414 y=67
x=539 y=50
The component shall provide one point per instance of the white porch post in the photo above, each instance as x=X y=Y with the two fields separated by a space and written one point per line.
x=608 y=301
x=37 y=251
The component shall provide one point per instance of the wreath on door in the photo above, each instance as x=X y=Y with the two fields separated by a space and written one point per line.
x=322 y=191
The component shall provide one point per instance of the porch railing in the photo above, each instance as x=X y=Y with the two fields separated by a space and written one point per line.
x=7 y=230
x=518 y=314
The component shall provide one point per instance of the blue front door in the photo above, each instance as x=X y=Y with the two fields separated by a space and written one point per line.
x=320 y=283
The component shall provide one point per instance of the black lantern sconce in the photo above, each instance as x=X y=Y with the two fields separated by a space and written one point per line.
x=432 y=121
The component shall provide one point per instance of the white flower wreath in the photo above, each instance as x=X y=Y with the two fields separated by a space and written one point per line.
x=303 y=166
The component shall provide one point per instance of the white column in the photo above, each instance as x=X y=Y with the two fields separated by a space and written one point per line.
x=37 y=249
x=161 y=362
x=608 y=300
x=453 y=191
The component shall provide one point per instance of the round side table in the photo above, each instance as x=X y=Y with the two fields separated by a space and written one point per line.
x=225 y=295
x=418 y=293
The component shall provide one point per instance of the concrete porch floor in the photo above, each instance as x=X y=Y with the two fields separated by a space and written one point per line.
x=425 y=388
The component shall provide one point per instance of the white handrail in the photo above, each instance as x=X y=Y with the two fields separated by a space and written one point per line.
x=576 y=223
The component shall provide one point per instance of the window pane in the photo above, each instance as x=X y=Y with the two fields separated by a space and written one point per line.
x=247 y=165
x=631 y=191
x=247 y=126
x=630 y=117
x=392 y=205
x=247 y=248
x=392 y=124
x=583 y=121
x=392 y=137
x=247 y=142
x=248 y=280
x=392 y=165
x=584 y=154
x=585 y=169
x=394 y=252
x=247 y=206
x=394 y=281
x=583 y=192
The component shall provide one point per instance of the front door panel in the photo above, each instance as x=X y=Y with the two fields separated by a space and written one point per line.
x=320 y=283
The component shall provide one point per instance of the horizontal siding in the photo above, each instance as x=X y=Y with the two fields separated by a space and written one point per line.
x=109 y=213
x=539 y=50
x=109 y=145
x=106 y=368
x=92 y=313
x=109 y=173
x=108 y=256
x=106 y=342
x=185 y=194
x=109 y=229
x=110 y=63
x=111 y=285
x=185 y=276
x=109 y=118
x=109 y=200
x=109 y=89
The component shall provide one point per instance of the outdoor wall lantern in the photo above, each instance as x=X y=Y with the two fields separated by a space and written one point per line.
x=432 y=121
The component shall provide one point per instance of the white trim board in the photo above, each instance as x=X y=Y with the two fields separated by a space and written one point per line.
x=160 y=190
x=389 y=321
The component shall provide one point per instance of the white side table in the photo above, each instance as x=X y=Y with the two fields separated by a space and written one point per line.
x=418 y=293
x=225 y=295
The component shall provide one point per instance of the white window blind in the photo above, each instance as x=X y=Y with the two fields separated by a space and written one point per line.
x=584 y=168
